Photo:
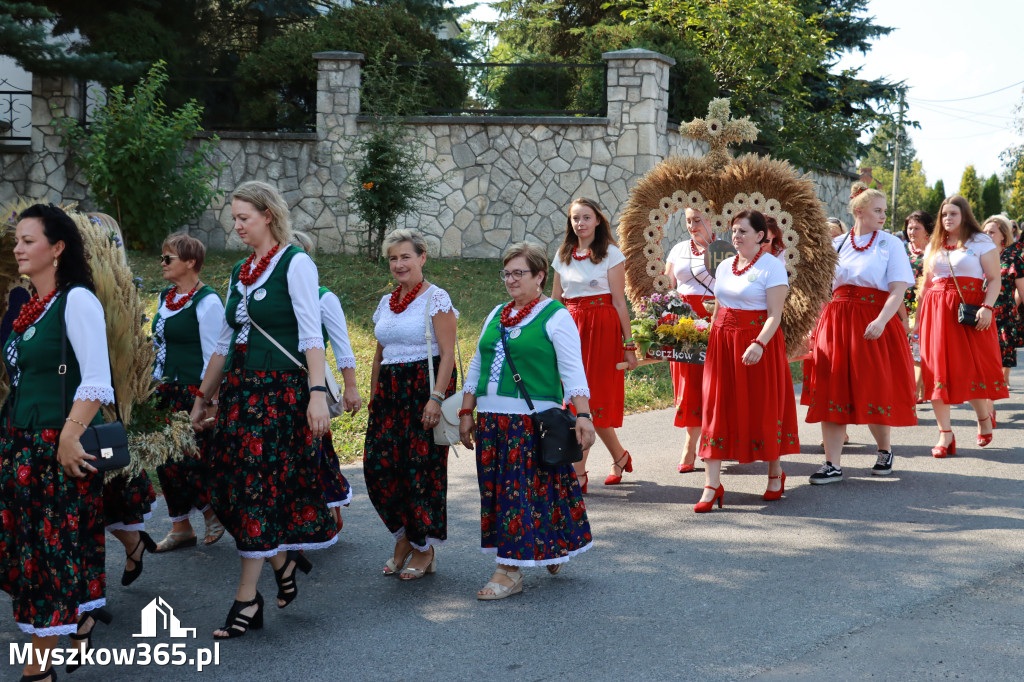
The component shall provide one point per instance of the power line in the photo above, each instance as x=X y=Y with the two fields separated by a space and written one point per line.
x=936 y=110
x=964 y=99
x=962 y=137
x=986 y=114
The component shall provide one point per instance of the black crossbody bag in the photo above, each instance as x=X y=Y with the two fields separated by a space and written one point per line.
x=556 y=427
x=108 y=443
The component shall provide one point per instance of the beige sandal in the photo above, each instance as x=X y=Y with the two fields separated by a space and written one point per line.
x=501 y=591
x=393 y=568
x=409 y=573
x=215 y=530
x=173 y=541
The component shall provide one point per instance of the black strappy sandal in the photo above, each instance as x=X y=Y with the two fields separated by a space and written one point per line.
x=49 y=675
x=98 y=616
x=148 y=544
x=287 y=589
x=237 y=623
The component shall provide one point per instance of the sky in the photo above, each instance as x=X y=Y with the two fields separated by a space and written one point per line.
x=944 y=53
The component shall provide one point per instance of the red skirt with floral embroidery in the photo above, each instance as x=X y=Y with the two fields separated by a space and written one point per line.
x=851 y=380
x=958 y=363
x=601 y=341
x=688 y=378
x=749 y=411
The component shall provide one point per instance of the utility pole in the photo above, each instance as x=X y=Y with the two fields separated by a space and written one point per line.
x=896 y=164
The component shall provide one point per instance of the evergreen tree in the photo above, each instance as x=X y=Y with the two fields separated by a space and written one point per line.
x=935 y=198
x=970 y=189
x=992 y=198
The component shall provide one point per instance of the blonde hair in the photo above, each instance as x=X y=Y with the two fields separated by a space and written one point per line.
x=534 y=254
x=861 y=195
x=265 y=198
x=304 y=241
x=405 y=234
x=1004 y=227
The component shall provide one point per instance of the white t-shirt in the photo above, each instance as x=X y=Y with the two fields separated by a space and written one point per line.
x=565 y=337
x=966 y=261
x=585 y=278
x=404 y=335
x=883 y=263
x=749 y=290
x=692 y=278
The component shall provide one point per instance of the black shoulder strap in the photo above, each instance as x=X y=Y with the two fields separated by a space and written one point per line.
x=843 y=242
x=511 y=365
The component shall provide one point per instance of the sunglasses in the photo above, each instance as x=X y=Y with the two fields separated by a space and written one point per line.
x=166 y=260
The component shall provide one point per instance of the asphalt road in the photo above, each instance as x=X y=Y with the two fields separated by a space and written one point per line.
x=919 y=575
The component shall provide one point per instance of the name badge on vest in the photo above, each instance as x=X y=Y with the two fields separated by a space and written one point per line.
x=260 y=294
x=514 y=334
x=751 y=277
x=187 y=305
x=31 y=331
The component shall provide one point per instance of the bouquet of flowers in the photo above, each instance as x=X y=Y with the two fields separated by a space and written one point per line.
x=666 y=328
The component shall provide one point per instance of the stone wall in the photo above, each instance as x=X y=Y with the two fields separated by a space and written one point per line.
x=500 y=179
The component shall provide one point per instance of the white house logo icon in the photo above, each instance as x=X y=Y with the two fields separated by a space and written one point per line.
x=156 y=610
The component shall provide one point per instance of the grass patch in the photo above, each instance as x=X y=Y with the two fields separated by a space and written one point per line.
x=360 y=284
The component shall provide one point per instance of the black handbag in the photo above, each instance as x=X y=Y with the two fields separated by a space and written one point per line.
x=108 y=443
x=966 y=313
x=556 y=427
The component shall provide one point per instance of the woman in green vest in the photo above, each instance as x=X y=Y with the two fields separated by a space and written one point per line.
x=186 y=327
x=50 y=496
x=272 y=408
x=531 y=516
x=406 y=472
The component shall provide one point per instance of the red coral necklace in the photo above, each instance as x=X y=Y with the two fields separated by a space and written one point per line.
x=248 y=274
x=510 y=320
x=173 y=303
x=956 y=245
x=398 y=302
x=853 y=241
x=31 y=311
x=693 y=248
x=749 y=265
x=576 y=256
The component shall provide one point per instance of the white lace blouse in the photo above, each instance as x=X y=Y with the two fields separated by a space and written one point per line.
x=337 y=330
x=403 y=335
x=565 y=337
x=304 y=288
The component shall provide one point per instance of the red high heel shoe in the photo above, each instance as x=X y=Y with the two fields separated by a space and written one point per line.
x=586 y=480
x=771 y=495
x=686 y=468
x=702 y=507
x=628 y=468
x=940 y=451
x=986 y=438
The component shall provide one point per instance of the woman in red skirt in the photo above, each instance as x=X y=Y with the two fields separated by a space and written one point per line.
x=685 y=267
x=749 y=410
x=960 y=363
x=590 y=279
x=861 y=370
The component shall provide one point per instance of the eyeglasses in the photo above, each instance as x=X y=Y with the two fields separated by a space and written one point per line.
x=166 y=260
x=505 y=275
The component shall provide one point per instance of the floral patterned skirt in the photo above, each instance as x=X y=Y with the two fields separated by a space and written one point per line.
x=529 y=515
x=128 y=501
x=406 y=473
x=265 y=465
x=51 y=555
x=186 y=481
x=1008 y=323
x=336 y=486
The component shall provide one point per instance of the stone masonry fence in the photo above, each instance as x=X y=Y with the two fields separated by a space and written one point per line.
x=502 y=178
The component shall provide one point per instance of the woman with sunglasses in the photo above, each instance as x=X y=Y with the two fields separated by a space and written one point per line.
x=530 y=515
x=685 y=268
x=406 y=472
x=590 y=280
x=186 y=327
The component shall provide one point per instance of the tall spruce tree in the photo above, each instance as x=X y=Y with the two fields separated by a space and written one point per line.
x=970 y=189
x=992 y=197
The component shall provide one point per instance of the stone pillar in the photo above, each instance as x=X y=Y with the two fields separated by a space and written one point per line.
x=637 y=93
x=337 y=107
x=49 y=177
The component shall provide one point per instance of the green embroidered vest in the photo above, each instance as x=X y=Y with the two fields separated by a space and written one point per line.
x=35 y=403
x=183 y=348
x=270 y=305
x=532 y=351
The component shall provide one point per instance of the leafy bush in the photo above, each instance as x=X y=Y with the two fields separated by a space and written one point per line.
x=136 y=160
x=277 y=83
